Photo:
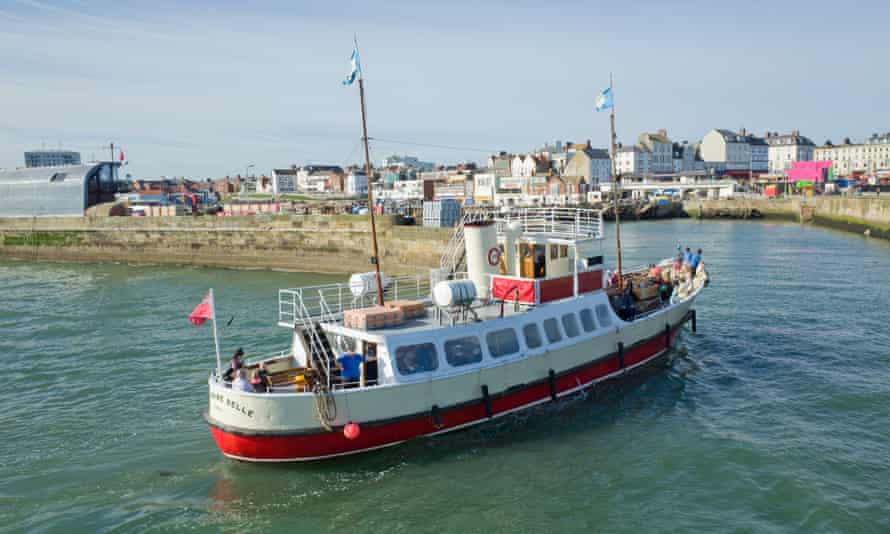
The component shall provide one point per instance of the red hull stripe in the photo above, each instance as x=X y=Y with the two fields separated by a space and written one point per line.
x=311 y=446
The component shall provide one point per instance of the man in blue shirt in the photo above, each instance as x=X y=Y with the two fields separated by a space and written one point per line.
x=350 y=368
x=695 y=260
x=687 y=257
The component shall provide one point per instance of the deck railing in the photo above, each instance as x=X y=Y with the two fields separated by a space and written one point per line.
x=569 y=223
x=328 y=302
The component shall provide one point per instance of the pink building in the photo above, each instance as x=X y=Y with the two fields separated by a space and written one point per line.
x=809 y=171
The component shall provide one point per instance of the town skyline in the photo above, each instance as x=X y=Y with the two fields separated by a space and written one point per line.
x=195 y=91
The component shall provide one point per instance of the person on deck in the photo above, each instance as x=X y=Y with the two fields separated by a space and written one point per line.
x=628 y=308
x=260 y=380
x=350 y=367
x=687 y=257
x=236 y=363
x=240 y=383
x=695 y=260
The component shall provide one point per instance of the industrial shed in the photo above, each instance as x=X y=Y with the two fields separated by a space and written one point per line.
x=56 y=191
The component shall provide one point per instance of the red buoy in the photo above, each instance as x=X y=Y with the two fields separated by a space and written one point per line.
x=352 y=430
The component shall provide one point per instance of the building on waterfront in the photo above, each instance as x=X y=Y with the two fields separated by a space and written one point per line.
x=357 y=183
x=683 y=156
x=632 y=161
x=501 y=164
x=525 y=165
x=592 y=165
x=407 y=162
x=848 y=158
x=726 y=150
x=284 y=180
x=660 y=151
x=557 y=154
x=320 y=179
x=784 y=150
x=65 y=191
x=484 y=187
x=51 y=158
x=759 y=154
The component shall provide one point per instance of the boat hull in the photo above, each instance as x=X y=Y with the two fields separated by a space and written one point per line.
x=283 y=445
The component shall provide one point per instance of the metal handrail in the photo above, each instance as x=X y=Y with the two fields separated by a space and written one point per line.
x=327 y=302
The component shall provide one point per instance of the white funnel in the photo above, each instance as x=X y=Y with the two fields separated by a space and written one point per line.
x=483 y=255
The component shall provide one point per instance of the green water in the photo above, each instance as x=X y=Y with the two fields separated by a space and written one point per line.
x=776 y=419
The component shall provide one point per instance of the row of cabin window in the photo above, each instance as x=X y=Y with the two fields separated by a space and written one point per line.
x=467 y=350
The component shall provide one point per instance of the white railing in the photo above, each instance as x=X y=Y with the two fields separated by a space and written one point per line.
x=328 y=302
x=569 y=223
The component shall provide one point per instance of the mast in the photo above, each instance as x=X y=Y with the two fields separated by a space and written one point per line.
x=616 y=179
x=375 y=259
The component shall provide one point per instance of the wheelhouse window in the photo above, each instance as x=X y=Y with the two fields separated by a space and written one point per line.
x=587 y=322
x=419 y=358
x=463 y=351
x=502 y=342
x=570 y=325
x=602 y=314
x=552 y=330
x=532 y=336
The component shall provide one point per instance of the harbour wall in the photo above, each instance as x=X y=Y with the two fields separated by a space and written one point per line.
x=333 y=244
x=853 y=214
x=338 y=243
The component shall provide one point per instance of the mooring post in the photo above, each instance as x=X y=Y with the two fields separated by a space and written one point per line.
x=693 y=321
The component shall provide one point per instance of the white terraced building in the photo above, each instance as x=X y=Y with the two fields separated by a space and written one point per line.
x=660 y=151
x=633 y=160
x=786 y=149
x=870 y=156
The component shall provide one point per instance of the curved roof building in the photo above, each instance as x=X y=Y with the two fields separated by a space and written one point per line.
x=56 y=191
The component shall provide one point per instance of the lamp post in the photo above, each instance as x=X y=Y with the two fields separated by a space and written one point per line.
x=247 y=173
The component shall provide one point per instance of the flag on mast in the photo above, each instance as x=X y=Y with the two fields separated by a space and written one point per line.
x=604 y=99
x=202 y=311
x=122 y=155
x=356 y=68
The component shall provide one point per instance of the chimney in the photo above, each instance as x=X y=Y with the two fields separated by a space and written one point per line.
x=742 y=132
x=663 y=132
x=795 y=132
x=588 y=143
x=767 y=136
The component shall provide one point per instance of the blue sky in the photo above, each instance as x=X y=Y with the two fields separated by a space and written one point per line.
x=203 y=88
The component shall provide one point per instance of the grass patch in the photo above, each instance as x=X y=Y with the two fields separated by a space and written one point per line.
x=43 y=239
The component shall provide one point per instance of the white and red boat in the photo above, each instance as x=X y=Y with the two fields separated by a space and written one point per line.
x=529 y=321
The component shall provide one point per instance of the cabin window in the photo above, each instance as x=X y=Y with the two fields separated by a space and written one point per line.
x=502 y=342
x=419 y=358
x=570 y=325
x=532 y=336
x=463 y=351
x=563 y=251
x=554 y=252
x=552 y=330
x=602 y=313
x=587 y=322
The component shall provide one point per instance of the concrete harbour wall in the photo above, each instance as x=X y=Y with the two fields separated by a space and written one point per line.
x=859 y=215
x=335 y=244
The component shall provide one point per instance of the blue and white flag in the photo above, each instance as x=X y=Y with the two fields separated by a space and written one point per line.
x=356 y=68
x=604 y=99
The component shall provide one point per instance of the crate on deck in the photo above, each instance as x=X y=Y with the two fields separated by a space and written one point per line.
x=411 y=309
x=373 y=317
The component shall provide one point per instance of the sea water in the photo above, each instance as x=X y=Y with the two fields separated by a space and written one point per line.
x=774 y=417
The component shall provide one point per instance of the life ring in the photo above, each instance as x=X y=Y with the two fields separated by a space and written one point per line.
x=494 y=256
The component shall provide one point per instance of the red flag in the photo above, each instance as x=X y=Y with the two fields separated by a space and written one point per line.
x=202 y=312
x=122 y=155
